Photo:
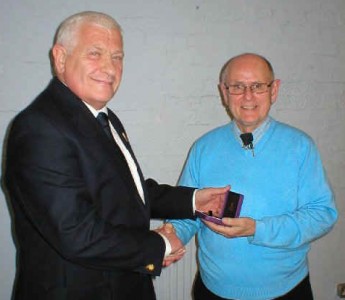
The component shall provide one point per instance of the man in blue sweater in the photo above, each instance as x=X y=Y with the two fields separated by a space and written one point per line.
x=288 y=202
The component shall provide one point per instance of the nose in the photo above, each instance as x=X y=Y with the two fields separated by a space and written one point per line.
x=247 y=94
x=108 y=65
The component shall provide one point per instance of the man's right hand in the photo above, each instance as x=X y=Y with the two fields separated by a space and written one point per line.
x=177 y=248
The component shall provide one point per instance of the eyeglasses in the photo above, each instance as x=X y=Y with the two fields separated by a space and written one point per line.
x=255 y=87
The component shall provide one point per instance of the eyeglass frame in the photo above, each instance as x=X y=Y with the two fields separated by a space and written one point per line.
x=250 y=86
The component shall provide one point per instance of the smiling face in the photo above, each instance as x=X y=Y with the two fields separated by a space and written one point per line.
x=250 y=109
x=92 y=68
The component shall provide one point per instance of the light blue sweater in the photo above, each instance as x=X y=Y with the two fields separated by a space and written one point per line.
x=285 y=190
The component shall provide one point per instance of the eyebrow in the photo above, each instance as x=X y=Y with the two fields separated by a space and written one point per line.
x=243 y=82
x=100 y=48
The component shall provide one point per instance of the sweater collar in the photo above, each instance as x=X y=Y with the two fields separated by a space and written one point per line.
x=257 y=133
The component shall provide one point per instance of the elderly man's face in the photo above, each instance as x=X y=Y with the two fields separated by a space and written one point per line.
x=93 y=69
x=250 y=109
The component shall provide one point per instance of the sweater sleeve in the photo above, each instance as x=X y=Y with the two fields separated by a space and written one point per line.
x=316 y=213
x=187 y=228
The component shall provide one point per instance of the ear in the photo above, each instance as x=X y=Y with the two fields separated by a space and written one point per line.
x=223 y=94
x=59 y=58
x=275 y=90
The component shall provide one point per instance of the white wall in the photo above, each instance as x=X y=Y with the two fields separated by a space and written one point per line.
x=168 y=97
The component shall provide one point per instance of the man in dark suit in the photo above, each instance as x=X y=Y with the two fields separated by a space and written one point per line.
x=81 y=206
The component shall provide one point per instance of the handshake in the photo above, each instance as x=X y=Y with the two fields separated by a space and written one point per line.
x=177 y=248
x=230 y=228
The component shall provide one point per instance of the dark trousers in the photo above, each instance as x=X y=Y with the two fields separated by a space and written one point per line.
x=116 y=286
x=301 y=291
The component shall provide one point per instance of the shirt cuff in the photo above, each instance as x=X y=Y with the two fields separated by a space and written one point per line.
x=193 y=200
x=167 y=245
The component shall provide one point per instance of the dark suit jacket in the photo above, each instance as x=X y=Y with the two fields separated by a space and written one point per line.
x=82 y=229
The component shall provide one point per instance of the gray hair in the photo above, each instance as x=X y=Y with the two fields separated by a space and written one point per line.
x=67 y=30
x=225 y=68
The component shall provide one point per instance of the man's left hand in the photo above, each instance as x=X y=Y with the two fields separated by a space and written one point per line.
x=234 y=227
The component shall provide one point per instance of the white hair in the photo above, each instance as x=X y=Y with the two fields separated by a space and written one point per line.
x=67 y=30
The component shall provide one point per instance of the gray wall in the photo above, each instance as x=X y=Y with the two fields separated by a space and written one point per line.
x=168 y=97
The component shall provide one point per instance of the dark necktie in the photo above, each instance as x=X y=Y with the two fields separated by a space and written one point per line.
x=102 y=118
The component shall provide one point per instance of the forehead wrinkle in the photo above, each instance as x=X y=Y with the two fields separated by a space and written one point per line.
x=108 y=42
